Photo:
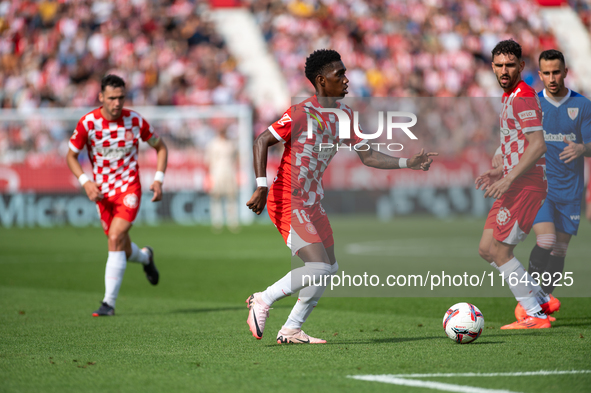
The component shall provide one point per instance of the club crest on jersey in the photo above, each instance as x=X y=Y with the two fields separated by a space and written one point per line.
x=284 y=119
x=311 y=229
x=573 y=113
x=130 y=201
x=503 y=216
x=128 y=135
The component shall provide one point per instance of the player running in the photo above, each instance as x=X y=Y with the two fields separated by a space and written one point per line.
x=567 y=131
x=295 y=195
x=111 y=135
x=519 y=186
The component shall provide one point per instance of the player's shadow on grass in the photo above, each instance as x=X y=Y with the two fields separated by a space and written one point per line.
x=201 y=310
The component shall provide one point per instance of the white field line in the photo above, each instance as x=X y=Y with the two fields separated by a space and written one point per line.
x=402 y=379
x=446 y=387
x=512 y=374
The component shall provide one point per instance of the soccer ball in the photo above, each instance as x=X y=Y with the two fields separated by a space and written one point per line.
x=463 y=323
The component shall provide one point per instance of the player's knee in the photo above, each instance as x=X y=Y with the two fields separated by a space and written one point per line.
x=484 y=253
x=116 y=238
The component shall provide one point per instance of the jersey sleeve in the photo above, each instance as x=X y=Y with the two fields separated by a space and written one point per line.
x=281 y=129
x=528 y=112
x=79 y=138
x=146 y=131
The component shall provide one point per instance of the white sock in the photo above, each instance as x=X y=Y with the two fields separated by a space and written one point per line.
x=116 y=264
x=308 y=299
x=524 y=293
x=138 y=255
x=302 y=309
x=292 y=281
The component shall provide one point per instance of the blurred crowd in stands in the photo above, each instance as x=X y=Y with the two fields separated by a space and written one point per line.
x=435 y=48
x=583 y=9
x=53 y=53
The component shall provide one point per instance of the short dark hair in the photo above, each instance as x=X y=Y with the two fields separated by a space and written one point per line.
x=318 y=61
x=507 y=47
x=112 y=80
x=551 y=54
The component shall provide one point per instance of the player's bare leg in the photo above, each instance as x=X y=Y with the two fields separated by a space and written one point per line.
x=588 y=210
x=522 y=286
x=485 y=246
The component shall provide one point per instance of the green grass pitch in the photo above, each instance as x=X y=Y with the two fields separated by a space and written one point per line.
x=189 y=333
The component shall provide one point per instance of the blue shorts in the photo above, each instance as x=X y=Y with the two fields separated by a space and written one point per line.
x=565 y=216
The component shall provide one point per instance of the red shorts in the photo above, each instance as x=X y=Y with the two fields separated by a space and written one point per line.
x=512 y=215
x=125 y=205
x=588 y=196
x=300 y=226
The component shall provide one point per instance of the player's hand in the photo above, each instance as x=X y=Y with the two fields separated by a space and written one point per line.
x=497 y=161
x=258 y=200
x=572 y=151
x=421 y=161
x=499 y=187
x=157 y=188
x=92 y=191
x=488 y=178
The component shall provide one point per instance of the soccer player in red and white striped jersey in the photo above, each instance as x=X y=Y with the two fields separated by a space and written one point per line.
x=519 y=185
x=294 y=197
x=111 y=134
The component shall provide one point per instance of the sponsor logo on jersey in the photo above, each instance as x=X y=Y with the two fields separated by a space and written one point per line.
x=311 y=229
x=575 y=217
x=110 y=153
x=573 y=113
x=559 y=137
x=503 y=216
x=131 y=201
x=284 y=119
x=527 y=114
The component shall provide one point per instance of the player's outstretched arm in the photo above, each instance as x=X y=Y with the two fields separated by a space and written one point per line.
x=90 y=187
x=573 y=150
x=162 y=160
x=375 y=159
x=535 y=149
x=258 y=200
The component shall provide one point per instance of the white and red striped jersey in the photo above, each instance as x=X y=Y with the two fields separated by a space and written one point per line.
x=112 y=148
x=521 y=113
x=305 y=159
